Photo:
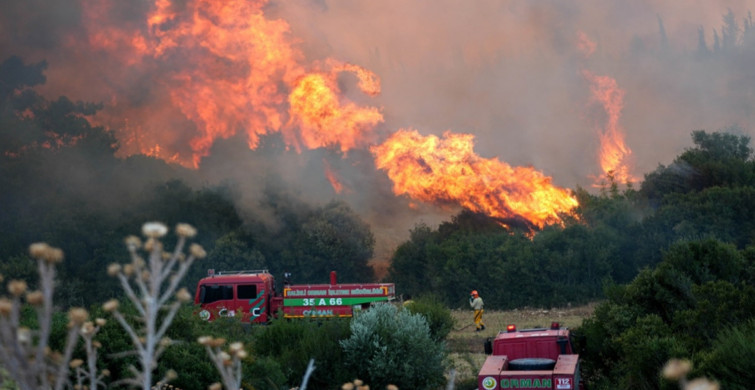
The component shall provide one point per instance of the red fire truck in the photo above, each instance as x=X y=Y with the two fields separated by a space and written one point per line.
x=251 y=296
x=530 y=359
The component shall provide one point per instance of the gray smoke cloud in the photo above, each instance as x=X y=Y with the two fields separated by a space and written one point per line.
x=509 y=72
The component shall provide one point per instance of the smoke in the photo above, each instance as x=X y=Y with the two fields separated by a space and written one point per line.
x=509 y=72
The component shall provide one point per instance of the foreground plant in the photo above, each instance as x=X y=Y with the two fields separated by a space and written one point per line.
x=227 y=361
x=677 y=370
x=152 y=287
x=25 y=353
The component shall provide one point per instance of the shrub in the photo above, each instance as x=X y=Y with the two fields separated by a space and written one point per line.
x=393 y=346
x=437 y=315
x=293 y=343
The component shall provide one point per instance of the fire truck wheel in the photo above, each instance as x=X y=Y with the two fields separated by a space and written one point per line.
x=527 y=364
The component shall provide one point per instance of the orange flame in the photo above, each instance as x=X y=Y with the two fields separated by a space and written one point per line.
x=332 y=177
x=322 y=120
x=447 y=171
x=614 y=156
x=228 y=69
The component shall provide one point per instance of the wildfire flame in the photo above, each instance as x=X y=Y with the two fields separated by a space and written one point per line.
x=228 y=69
x=332 y=177
x=447 y=170
x=614 y=155
x=222 y=68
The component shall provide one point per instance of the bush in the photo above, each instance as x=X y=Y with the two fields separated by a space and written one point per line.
x=393 y=346
x=437 y=315
x=292 y=343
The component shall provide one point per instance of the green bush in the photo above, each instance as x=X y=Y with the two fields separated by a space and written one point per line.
x=292 y=343
x=393 y=346
x=436 y=313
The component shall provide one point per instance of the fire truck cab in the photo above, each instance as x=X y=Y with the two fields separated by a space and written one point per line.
x=247 y=294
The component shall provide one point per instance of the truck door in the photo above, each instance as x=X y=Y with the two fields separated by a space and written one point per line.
x=216 y=299
x=252 y=302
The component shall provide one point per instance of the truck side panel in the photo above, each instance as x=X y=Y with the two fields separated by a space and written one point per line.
x=490 y=374
x=566 y=373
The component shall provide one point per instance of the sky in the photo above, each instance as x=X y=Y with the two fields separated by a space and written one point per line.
x=538 y=84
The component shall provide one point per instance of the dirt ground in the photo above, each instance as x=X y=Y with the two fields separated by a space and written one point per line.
x=467 y=346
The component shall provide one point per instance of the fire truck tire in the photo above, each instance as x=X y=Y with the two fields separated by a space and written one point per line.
x=527 y=364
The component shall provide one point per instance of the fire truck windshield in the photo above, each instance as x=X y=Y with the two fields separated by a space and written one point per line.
x=212 y=293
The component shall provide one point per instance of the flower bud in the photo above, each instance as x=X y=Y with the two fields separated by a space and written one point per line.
x=16 y=287
x=100 y=321
x=113 y=269
x=676 y=369
x=133 y=242
x=171 y=374
x=701 y=384
x=6 y=306
x=215 y=386
x=225 y=357
x=87 y=328
x=185 y=230
x=235 y=347
x=197 y=251
x=35 y=298
x=205 y=340
x=347 y=386
x=154 y=229
x=38 y=250
x=110 y=305
x=75 y=363
x=78 y=315
x=183 y=295
x=54 y=255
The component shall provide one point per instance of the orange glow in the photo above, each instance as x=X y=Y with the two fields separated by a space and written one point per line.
x=447 y=171
x=614 y=155
x=332 y=177
x=585 y=45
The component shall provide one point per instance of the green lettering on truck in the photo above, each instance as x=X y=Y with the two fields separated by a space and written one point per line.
x=526 y=383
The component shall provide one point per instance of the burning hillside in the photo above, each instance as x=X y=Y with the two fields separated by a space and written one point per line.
x=181 y=80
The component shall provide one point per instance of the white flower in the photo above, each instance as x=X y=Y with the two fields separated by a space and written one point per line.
x=154 y=229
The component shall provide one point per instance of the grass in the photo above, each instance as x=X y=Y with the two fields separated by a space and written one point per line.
x=467 y=346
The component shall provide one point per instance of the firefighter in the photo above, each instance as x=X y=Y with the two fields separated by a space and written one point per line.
x=475 y=302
